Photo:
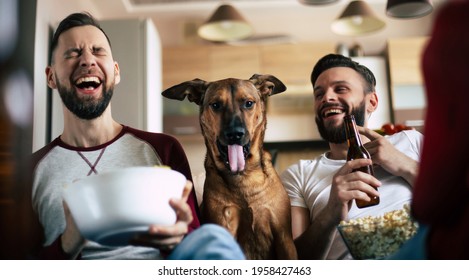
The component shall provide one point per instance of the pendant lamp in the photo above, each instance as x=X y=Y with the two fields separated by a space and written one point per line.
x=357 y=19
x=408 y=8
x=225 y=24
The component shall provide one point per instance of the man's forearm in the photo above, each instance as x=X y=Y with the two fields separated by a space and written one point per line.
x=409 y=173
x=315 y=242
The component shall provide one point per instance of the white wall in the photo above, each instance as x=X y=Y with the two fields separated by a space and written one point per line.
x=377 y=65
x=153 y=52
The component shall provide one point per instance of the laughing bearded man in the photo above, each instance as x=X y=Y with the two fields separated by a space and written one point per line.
x=84 y=72
x=322 y=190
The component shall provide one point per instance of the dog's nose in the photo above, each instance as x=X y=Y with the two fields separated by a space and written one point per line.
x=235 y=134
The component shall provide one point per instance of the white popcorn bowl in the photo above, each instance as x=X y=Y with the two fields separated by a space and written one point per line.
x=110 y=208
x=376 y=240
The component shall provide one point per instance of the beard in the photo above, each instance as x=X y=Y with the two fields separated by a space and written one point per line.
x=336 y=134
x=84 y=107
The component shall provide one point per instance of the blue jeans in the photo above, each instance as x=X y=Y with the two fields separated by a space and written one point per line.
x=209 y=242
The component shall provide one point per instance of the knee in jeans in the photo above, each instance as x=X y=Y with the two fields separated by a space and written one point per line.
x=213 y=231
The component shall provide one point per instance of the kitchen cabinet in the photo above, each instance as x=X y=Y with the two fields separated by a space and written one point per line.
x=291 y=63
x=290 y=114
x=137 y=99
x=184 y=63
x=406 y=83
x=209 y=63
x=234 y=62
x=404 y=60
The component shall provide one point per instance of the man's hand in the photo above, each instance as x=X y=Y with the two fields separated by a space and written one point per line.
x=348 y=185
x=166 y=238
x=71 y=239
x=383 y=153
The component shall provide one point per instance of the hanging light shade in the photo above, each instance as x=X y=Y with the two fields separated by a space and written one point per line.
x=357 y=19
x=225 y=24
x=408 y=8
x=317 y=2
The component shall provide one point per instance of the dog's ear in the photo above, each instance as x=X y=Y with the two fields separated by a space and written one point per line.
x=267 y=84
x=194 y=90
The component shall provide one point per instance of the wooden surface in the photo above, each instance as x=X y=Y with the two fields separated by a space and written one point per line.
x=404 y=56
x=291 y=63
x=182 y=64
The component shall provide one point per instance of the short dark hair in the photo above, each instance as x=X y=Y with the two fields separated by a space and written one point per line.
x=337 y=60
x=74 y=20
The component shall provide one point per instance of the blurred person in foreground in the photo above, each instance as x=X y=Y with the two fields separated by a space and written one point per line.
x=322 y=190
x=441 y=193
x=84 y=73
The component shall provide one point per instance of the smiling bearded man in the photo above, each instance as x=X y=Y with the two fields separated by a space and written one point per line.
x=322 y=190
x=336 y=134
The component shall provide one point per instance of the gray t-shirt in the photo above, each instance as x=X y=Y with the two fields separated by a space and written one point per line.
x=60 y=164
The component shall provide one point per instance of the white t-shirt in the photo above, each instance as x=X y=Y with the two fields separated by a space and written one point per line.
x=308 y=184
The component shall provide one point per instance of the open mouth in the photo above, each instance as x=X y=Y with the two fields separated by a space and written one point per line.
x=88 y=83
x=234 y=156
x=329 y=112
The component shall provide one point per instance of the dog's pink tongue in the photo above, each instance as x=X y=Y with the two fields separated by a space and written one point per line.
x=236 y=158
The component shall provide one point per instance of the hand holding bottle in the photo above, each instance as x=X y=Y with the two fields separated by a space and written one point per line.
x=386 y=155
x=348 y=186
x=356 y=150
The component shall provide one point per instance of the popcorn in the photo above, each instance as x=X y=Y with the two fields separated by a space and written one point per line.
x=378 y=237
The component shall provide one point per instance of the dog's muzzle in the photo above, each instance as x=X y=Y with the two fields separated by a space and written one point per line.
x=234 y=156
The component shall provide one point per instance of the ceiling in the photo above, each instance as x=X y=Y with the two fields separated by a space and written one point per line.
x=273 y=20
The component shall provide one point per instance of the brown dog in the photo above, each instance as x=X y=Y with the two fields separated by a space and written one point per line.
x=242 y=190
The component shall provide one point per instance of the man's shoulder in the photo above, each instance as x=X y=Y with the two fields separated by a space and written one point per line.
x=144 y=134
x=160 y=141
x=42 y=152
x=407 y=141
x=406 y=136
x=303 y=164
x=413 y=133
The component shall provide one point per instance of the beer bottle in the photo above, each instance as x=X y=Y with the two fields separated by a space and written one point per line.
x=356 y=150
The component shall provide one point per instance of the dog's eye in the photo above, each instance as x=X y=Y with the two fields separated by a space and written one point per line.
x=215 y=106
x=248 y=104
